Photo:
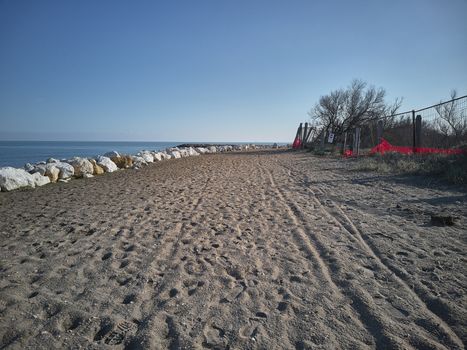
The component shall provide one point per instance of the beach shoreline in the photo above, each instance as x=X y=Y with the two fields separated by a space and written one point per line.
x=256 y=249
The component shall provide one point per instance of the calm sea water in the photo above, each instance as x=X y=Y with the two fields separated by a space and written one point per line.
x=18 y=153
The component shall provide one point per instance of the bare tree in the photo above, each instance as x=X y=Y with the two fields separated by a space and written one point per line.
x=344 y=109
x=451 y=121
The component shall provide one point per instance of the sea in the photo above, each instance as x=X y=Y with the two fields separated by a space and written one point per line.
x=18 y=153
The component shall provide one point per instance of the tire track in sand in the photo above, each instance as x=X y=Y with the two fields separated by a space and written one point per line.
x=435 y=326
x=369 y=322
x=435 y=312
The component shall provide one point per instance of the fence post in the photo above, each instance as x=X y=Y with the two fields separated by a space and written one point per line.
x=413 y=131
x=418 y=129
x=379 y=131
x=305 y=131
x=345 y=143
x=323 y=136
x=356 y=142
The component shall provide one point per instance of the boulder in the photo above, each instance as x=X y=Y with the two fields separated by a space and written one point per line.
x=82 y=166
x=191 y=152
x=112 y=154
x=165 y=156
x=147 y=156
x=212 y=149
x=35 y=168
x=52 y=172
x=175 y=154
x=66 y=170
x=52 y=160
x=40 y=168
x=40 y=180
x=123 y=161
x=184 y=152
x=107 y=164
x=201 y=150
x=12 y=178
x=97 y=169
x=29 y=168
x=157 y=156
x=138 y=162
x=87 y=176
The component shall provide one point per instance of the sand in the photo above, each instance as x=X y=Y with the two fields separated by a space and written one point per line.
x=259 y=250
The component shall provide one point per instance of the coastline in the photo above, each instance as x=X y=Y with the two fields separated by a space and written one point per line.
x=63 y=170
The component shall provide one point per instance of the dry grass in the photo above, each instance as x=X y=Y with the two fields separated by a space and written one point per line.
x=452 y=168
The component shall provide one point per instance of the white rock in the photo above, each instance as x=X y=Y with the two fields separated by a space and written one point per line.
x=184 y=152
x=212 y=149
x=29 y=168
x=112 y=154
x=40 y=180
x=52 y=160
x=192 y=152
x=66 y=170
x=165 y=156
x=87 y=176
x=12 y=178
x=157 y=156
x=107 y=164
x=175 y=154
x=147 y=156
x=40 y=168
x=138 y=162
x=82 y=166
x=52 y=172
x=201 y=150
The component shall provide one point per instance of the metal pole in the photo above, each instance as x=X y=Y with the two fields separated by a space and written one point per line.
x=413 y=129
x=379 y=131
x=418 y=128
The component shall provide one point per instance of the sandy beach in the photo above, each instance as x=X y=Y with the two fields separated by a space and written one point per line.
x=252 y=250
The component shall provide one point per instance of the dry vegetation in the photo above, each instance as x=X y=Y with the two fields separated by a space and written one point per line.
x=452 y=168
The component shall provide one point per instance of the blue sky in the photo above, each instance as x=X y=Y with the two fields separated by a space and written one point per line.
x=214 y=70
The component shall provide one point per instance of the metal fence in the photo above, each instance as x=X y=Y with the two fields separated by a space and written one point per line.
x=443 y=125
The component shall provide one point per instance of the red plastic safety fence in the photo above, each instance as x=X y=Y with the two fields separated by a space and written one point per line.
x=384 y=146
x=297 y=143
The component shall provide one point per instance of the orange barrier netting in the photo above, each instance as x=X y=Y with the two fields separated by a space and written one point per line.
x=384 y=146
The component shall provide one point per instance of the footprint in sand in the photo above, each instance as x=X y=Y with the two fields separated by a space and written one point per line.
x=123 y=330
x=106 y=256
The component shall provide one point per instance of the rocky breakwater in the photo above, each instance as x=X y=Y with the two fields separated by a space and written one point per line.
x=54 y=170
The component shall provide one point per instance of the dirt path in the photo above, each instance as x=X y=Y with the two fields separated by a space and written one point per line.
x=242 y=251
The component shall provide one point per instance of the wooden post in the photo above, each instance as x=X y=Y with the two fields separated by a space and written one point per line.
x=418 y=131
x=356 y=142
x=345 y=143
x=305 y=131
x=307 y=137
x=379 y=131
x=323 y=136
x=299 y=130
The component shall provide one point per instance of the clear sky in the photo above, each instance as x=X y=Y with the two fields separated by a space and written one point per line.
x=220 y=70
